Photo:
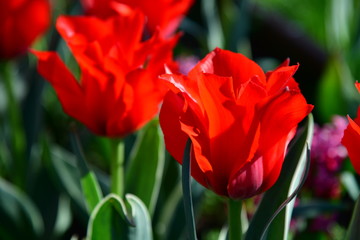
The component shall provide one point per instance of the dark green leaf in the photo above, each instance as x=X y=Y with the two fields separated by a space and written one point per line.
x=290 y=178
x=146 y=165
x=353 y=232
x=89 y=183
x=20 y=219
x=349 y=182
x=112 y=220
x=336 y=89
x=215 y=34
x=63 y=168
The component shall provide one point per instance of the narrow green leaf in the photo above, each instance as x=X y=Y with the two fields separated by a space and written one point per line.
x=64 y=217
x=173 y=215
x=353 y=232
x=91 y=190
x=186 y=186
x=141 y=219
x=336 y=90
x=89 y=183
x=62 y=167
x=349 y=182
x=148 y=151
x=112 y=220
x=20 y=219
x=215 y=33
x=339 y=23
x=224 y=233
x=17 y=137
x=286 y=187
x=315 y=208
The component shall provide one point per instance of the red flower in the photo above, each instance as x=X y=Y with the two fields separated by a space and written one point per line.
x=21 y=22
x=239 y=120
x=119 y=89
x=165 y=14
x=351 y=138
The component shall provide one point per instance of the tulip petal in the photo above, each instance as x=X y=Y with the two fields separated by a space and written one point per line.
x=175 y=137
x=351 y=140
x=240 y=121
x=226 y=64
x=247 y=182
x=68 y=90
x=357 y=85
x=281 y=115
x=280 y=78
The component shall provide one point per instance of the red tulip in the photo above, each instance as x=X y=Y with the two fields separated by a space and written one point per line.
x=239 y=120
x=119 y=89
x=21 y=22
x=165 y=14
x=351 y=138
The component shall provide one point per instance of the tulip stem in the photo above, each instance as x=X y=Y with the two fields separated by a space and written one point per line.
x=186 y=186
x=353 y=231
x=234 y=215
x=17 y=137
x=117 y=168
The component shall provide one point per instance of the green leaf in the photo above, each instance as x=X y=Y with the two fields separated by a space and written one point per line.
x=353 y=232
x=141 y=219
x=170 y=224
x=336 y=90
x=91 y=190
x=287 y=185
x=348 y=180
x=215 y=33
x=20 y=219
x=339 y=23
x=315 y=208
x=89 y=183
x=112 y=220
x=63 y=218
x=63 y=169
x=146 y=165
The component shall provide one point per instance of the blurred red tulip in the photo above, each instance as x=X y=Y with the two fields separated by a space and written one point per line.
x=21 y=22
x=239 y=120
x=165 y=14
x=351 y=139
x=119 y=89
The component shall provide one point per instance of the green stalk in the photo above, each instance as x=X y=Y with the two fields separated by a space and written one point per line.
x=117 y=168
x=17 y=137
x=234 y=215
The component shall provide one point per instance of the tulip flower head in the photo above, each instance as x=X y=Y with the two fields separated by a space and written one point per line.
x=21 y=23
x=163 y=14
x=351 y=138
x=119 y=89
x=239 y=119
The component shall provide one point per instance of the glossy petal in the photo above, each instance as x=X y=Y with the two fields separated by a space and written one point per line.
x=351 y=138
x=165 y=14
x=357 y=85
x=239 y=120
x=68 y=90
x=119 y=86
x=351 y=141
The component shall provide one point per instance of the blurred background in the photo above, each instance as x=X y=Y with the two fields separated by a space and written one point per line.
x=44 y=199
